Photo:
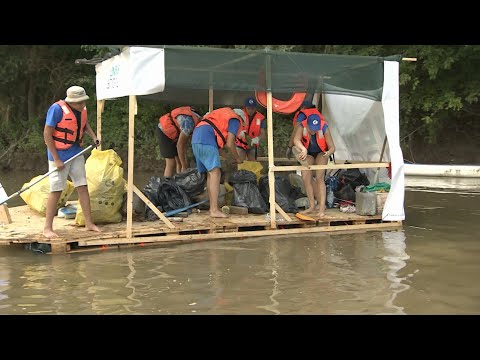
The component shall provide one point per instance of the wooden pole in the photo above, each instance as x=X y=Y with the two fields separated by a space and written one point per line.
x=132 y=103
x=409 y=59
x=271 y=165
x=153 y=208
x=381 y=157
x=100 y=106
x=210 y=94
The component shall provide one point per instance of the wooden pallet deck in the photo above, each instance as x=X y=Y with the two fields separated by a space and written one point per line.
x=27 y=226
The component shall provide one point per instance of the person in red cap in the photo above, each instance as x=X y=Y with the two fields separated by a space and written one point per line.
x=314 y=143
x=252 y=133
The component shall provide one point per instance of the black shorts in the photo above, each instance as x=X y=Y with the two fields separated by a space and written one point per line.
x=168 y=148
x=314 y=154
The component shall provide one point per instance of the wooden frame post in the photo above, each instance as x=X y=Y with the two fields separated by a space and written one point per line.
x=271 y=165
x=210 y=94
x=381 y=157
x=5 y=217
x=100 y=106
x=132 y=105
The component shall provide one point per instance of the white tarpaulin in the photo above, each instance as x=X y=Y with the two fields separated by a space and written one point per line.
x=359 y=125
x=135 y=71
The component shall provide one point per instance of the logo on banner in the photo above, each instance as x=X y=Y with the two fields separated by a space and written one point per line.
x=113 y=78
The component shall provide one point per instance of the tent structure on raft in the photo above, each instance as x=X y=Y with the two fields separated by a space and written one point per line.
x=358 y=95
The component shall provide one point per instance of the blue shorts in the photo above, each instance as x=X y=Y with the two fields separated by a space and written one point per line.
x=207 y=157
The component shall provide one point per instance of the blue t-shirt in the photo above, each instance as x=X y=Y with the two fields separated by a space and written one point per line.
x=301 y=116
x=54 y=116
x=313 y=147
x=206 y=135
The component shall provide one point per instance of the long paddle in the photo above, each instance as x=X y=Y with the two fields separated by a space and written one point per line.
x=38 y=180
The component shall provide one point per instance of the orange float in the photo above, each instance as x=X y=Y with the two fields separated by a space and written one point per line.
x=282 y=106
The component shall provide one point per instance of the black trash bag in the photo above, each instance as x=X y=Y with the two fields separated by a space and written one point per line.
x=191 y=181
x=242 y=177
x=246 y=192
x=345 y=193
x=353 y=177
x=166 y=195
x=285 y=193
x=171 y=196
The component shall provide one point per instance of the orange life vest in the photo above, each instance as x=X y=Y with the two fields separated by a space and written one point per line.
x=169 y=122
x=252 y=129
x=66 y=132
x=218 y=120
x=322 y=143
x=307 y=113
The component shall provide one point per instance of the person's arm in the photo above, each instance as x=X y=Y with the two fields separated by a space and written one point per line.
x=182 y=150
x=48 y=137
x=90 y=132
x=330 y=143
x=231 y=146
x=297 y=141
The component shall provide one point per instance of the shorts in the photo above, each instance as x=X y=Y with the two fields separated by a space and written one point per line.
x=314 y=154
x=168 y=148
x=74 y=168
x=207 y=157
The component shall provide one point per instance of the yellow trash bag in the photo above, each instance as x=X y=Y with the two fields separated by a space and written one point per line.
x=253 y=166
x=106 y=186
x=36 y=197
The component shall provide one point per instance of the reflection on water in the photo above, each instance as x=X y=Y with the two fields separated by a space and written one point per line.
x=430 y=266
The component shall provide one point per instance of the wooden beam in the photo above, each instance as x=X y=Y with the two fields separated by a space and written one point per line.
x=409 y=59
x=271 y=165
x=153 y=208
x=131 y=142
x=210 y=93
x=245 y=234
x=381 y=157
x=331 y=166
x=5 y=217
x=100 y=106
x=283 y=213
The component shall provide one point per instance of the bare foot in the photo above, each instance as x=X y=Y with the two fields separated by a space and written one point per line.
x=308 y=211
x=217 y=214
x=92 y=227
x=321 y=214
x=49 y=234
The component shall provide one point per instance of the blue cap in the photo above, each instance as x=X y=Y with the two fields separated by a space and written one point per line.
x=313 y=122
x=307 y=104
x=250 y=102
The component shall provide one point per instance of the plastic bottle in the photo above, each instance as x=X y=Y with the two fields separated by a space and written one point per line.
x=330 y=197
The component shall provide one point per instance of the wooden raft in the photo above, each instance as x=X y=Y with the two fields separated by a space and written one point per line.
x=26 y=227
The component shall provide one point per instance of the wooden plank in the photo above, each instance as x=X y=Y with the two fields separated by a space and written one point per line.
x=100 y=106
x=283 y=213
x=131 y=142
x=245 y=234
x=5 y=217
x=210 y=93
x=330 y=166
x=153 y=207
x=271 y=165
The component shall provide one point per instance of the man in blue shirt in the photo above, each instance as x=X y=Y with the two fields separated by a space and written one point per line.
x=65 y=124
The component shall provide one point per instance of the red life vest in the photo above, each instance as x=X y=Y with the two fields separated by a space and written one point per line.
x=322 y=143
x=252 y=129
x=282 y=106
x=169 y=122
x=218 y=120
x=66 y=132
x=307 y=113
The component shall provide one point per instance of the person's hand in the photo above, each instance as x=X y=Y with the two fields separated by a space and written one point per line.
x=288 y=153
x=59 y=164
x=326 y=154
x=238 y=161
x=303 y=154
x=242 y=134
x=96 y=142
x=255 y=141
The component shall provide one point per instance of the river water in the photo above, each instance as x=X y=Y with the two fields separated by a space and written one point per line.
x=430 y=266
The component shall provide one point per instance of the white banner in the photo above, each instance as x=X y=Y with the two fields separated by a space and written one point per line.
x=135 y=71
x=359 y=126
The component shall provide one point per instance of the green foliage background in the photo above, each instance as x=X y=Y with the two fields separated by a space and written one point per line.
x=439 y=99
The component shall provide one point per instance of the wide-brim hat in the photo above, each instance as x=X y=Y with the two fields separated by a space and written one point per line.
x=76 y=94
